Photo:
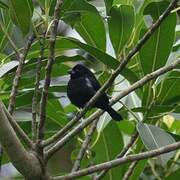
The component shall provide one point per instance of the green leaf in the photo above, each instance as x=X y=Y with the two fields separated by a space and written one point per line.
x=121 y=23
x=155 y=52
x=108 y=4
x=108 y=146
x=127 y=127
x=56 y=112
x=73 y=6
x=118 y=2
x=173 y=176
x=21 y=13
x=7 y=67
x=138 y=170
x=169 y=89
x=154 y=137
x=8 y=28
x=64 y=43
x=3 y=5
x=91 y=28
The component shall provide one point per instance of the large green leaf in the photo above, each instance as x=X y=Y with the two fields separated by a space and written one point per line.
x=154 y=137
x=108 y=4
x=74 y=6
x=173 y=176
x=169 y=89
x=103 y=57
x=65 y=43
x=21 y=13
x=108 y=146
x=91 y=28
x=138 y=170
x=121 y=23
x=155 y=52
x=56 y=112
x=7 y=67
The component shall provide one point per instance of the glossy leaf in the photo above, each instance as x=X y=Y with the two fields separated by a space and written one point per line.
x=173 y=176
x=154 y=137
x=108 y=146
x=21 y=13
x=7 y=67
x=56 y=113
x=108 y=4
x=138 y=170
x=74 y=6
x=155 y=52
x=169 y=89
x=121 y=23
x=91 y=27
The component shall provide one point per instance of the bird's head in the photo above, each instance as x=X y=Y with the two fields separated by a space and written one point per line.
x=78 y=71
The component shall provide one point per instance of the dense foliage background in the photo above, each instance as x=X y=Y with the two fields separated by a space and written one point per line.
x=99 y=34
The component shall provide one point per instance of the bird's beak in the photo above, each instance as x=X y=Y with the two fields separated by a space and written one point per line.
x=71 y=72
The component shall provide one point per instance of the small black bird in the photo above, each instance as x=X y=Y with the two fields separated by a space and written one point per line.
x=82 y=86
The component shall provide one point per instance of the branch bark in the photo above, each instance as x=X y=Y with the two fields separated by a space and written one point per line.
x=117 y=162
x=21 y=57
x=36 y=90
x=17 y=128
x=85 y=123
x=49 y=65
x=25 y=162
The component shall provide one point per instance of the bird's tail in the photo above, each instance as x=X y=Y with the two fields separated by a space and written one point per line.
x=114 y=114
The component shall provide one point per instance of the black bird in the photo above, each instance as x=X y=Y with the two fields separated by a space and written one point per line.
x=82 y=86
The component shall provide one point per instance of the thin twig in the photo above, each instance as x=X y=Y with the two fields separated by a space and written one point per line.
x=117 y=162
x=123 y=63
x=121 y=154
x=85 y=123
x=49 y=65
x=130 y=170
x=84 y=146
x=14 y=91
x=36 y=90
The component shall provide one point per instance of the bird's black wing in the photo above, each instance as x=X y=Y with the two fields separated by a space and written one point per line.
x=94 y=82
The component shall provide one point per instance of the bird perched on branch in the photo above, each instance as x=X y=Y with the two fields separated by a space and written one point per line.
x=82 y=86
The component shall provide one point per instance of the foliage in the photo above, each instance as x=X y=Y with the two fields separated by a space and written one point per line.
x=104 y=35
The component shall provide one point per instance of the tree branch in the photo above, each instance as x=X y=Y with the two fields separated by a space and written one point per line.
x=21 y=57
x=26 y=163
x=84 y=146
x=123 y=63
x=49 y=65
x=117 y=162
x=85 y=123
x=17 y=128
x=36 y=90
